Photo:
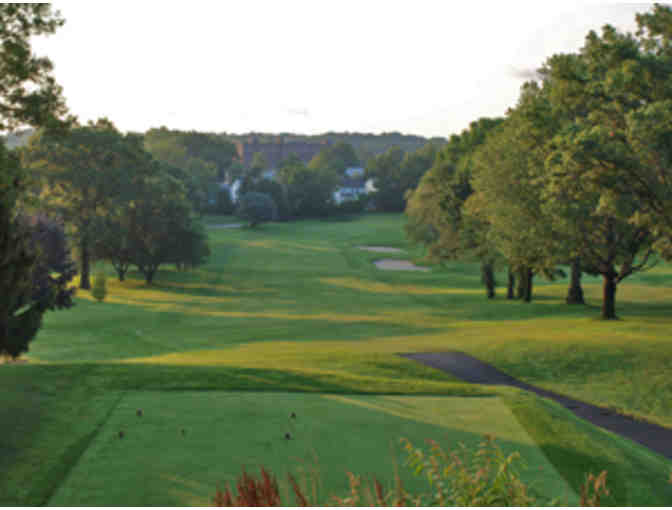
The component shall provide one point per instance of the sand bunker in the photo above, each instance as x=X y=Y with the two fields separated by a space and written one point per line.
x=398 y=265
x=380 y=249
x=228 y=225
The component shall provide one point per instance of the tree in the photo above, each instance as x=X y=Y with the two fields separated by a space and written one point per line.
x=190 y=248
x=598 y=169
x=113 y=239
x=28 y=95
x=82 y=174
x=310 y=192
x=436 y=208
x=385 y=170
x=203 y=158
x=273 y=189
x=157 y=219
x=335 y=159
x=509 y=174
x=28 y=92
x=256 y=208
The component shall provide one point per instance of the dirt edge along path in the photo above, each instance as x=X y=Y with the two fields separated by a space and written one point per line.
x=472 y=370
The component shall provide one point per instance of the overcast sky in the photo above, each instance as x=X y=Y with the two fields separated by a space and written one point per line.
x=418 y=67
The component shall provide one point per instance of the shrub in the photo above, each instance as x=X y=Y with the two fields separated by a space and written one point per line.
x=99 y=290
x=256 y=208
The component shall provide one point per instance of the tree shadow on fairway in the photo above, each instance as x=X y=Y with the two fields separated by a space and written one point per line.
x=625 y=484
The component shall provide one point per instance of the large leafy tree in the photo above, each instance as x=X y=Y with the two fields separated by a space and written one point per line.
x=509 y=174
x=202 y=158
x=598 y=168
x=83 y=174
x=335 y=159
x=159 y=227
x=29 y=95
x=309 y=190
x=436 y=208
x=385 y=170
x=256 y=208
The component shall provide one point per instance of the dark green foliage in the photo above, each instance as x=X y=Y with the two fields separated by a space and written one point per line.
x=385 y=170
x=204 y=159
x=273 y=189
x=256 y=208
x=223 y=202
x=83 y=174
x=309 y=191
x=28 y=95
x=190 y=245
x=488 y=279
x=335 y=159
x=28 y=92
x=113 y=240
x=34 y=264
x=17 y=260
x=152 y=228
x=54 y=269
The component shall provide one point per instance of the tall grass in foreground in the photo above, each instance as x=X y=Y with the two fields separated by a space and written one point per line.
x=462 y=477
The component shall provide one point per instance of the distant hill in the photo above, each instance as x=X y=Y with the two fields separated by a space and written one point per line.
x=365 y=144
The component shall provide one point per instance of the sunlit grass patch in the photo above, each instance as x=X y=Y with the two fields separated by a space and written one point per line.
x=387 y=288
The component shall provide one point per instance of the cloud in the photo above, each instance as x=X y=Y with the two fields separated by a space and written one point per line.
x=524 y=74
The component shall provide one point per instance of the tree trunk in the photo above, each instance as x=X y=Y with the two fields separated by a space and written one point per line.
x=609 y=296
x=121 y=269
x=85 y=280
x=520 y=288
x=511 y=284
x=488 y=276
x=527 y=296
x=575 y=292
x=149 y=276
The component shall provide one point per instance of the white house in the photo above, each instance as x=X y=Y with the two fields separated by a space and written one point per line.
x=352 y=186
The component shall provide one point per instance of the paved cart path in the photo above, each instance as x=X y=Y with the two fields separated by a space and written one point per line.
x=472 y=370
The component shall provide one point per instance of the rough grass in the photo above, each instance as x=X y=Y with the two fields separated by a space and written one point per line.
x=297 y=307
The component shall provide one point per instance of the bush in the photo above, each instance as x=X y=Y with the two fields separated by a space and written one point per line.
x=356 y=206
x=256 y=208
x=99 y=290
x=275 y=191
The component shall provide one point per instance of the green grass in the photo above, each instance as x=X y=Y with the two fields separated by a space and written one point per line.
x=297 y=307
x=156 y=465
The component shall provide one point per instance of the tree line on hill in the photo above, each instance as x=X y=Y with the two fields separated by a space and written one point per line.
x=301 y=190
x=577 y=173
x=365 y=145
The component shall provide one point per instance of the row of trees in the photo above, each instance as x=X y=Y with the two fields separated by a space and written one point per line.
x=301 y=190
x=578 y=173
x=200 y=160
x=120 y=203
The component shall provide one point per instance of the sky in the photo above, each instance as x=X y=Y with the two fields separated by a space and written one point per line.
x=417 y=67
